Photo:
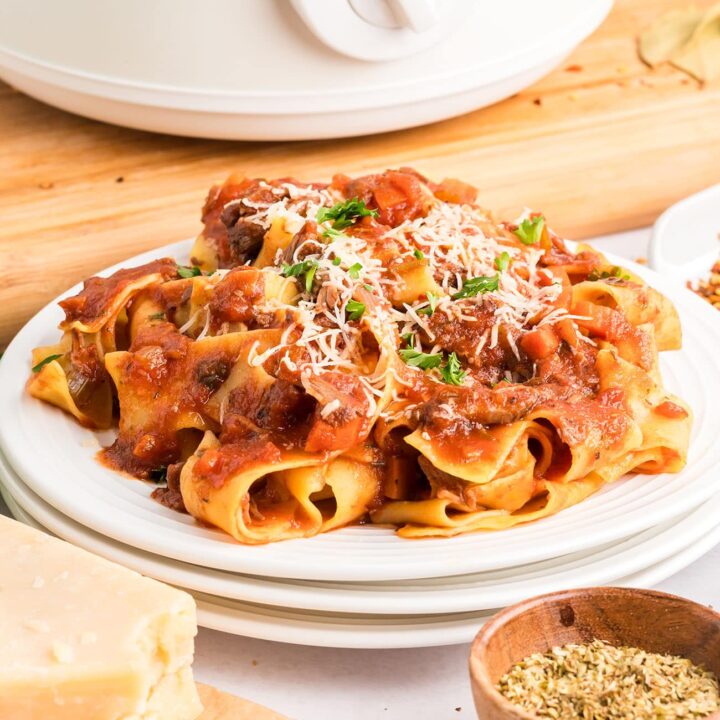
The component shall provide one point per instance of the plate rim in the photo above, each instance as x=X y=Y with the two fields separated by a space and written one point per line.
x=298 y=631
x=462 y=631
x=656 y=255
x=414 y=604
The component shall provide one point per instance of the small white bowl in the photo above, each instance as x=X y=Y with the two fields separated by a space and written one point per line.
x=685 y=240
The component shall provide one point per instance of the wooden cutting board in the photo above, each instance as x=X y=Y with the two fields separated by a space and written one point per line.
x=222 y=706
x=602 y=144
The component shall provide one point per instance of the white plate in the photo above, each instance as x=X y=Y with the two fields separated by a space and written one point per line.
x=685 y=240
x=375 y=632
x=56 y=458
x=464 y=593
x=311 y=628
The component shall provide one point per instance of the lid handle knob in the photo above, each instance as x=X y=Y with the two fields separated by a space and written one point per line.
x=380 y=30
x=418 y=15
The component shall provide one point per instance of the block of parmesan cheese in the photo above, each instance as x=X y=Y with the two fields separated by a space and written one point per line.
x=84 y=639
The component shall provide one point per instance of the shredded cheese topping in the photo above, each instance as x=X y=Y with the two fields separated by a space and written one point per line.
x=454 y=242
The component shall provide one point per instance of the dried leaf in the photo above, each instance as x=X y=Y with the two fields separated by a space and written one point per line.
x=700 y=56
x=668 y=34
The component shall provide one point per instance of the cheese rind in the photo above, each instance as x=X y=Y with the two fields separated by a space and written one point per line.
x=81 y=637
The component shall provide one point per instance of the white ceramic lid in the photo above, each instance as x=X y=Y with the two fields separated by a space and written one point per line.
x=260 y=56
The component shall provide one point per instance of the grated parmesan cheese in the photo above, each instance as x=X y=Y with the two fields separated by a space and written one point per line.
x=330 y=408
x=458 y=242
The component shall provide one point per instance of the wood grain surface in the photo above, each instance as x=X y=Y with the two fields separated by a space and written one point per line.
x=223 y=706
x=654 y=621
x=604 y=143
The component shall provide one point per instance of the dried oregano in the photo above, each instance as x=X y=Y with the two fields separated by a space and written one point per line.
x=602 y=682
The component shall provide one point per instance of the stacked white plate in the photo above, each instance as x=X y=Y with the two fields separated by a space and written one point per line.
x=364 y=586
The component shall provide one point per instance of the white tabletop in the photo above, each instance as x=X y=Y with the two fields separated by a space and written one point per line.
x=307 y=683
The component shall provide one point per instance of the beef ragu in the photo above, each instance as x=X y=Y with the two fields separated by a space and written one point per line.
x=375 y=349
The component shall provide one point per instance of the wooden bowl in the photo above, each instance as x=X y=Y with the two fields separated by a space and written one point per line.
x=654 y=621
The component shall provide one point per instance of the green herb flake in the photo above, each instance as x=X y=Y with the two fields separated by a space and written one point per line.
x=432 y=304
x=44 y=362
x=419 y=254
x=530 y=230
x=344 y=214
x=336 y=261
x=424 y=361
x=308 y=268
x=502 y=261
x=158 y=475
x=309 y=277
x=452 y=372
x=475 y=286
x=408 y=338
x=293 y=270
x=369 y=288
x=188 y=272
x=354 y=309
x=354 y=271
x=333 y=234
x=614 y=272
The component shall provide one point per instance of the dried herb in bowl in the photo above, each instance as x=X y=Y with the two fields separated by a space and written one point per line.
x=709 y=289
x=601 y=682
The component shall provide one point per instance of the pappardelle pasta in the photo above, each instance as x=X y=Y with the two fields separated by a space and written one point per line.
x=375 y=349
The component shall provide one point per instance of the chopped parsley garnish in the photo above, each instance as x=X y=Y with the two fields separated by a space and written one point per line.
x=294 y=270
x=336 y=261
x=474 y=286
x=158 y=475
x=432 y=304
x=354 y=271
x=44 y=362
x=530 y=230
x=354 y=309
x=333 y=234
x=614 y=272
x=308 y=268
x=344 y=214
x=309 y=277
x=419 y=254
x=452 y=372
x=188 y=272
x=424 y=361
x=408 y=338
x=502 y=261
x=369 y=288
x=157 y=316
